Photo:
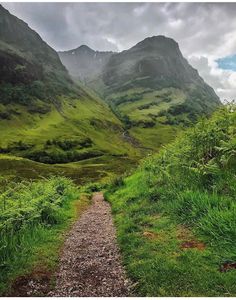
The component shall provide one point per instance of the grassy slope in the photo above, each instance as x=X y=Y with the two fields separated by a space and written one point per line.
x=155 y=137
x=156 y=99
x=175 y=215
x=142 y=106
x=76 y=119
x=72 y=121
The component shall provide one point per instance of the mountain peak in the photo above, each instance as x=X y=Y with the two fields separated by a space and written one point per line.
x=84 y=48
x=23 y=48
x=159 y=41
x=159 y=38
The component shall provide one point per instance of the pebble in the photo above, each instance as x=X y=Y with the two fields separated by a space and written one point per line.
x=90 y=265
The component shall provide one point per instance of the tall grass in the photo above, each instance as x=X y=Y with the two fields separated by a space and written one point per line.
x=200 y=168
x=29 y=213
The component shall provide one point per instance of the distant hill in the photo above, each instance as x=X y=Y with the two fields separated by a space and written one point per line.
x=85 y=63
x=149 y=86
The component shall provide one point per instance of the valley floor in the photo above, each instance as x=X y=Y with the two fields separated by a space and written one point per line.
x=81 y=172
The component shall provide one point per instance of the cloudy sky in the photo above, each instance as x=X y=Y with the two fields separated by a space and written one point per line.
x=206 y=32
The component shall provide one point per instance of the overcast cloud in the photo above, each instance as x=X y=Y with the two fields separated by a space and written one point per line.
x=205 y=31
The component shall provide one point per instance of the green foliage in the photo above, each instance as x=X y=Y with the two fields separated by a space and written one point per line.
x=68 y=144
x=16 y=146
x=184 y=193
x=26 y=204
x=57 y=156
x=29 y=211
x=198 y=167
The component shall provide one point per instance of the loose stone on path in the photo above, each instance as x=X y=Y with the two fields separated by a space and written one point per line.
x=90 y=264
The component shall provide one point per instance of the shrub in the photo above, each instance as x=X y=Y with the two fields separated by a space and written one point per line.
x=28 y=204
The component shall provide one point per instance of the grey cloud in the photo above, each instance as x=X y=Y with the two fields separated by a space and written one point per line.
x=198 y=27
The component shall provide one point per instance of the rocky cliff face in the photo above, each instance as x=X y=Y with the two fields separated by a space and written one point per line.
x=156 y=63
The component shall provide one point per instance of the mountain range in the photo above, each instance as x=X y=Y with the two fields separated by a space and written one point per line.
x=150 y=87
x=44 y=115
x=106 y=103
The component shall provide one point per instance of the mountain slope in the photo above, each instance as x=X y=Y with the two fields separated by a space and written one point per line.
x=44 y=115
x=151 y=66
x=27 y=60
x=153 y=90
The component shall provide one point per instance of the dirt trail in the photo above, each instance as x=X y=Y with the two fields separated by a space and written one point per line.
x=90 y=264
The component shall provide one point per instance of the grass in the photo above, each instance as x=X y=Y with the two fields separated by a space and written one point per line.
x=76 y=119
x=139 y=103
x=155 y=137
x=157 y=98
x=175 y=216
x=140 y=108
x=34 y=218
x=83 y=172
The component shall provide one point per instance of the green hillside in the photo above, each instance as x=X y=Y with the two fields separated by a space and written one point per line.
x=44 y=115
x=81 y=128
x=150 y=87
x=175 y=215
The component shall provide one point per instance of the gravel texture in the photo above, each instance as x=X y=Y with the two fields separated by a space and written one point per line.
x=90 y=264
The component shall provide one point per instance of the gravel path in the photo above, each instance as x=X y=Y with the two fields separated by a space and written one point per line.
x=90 y=264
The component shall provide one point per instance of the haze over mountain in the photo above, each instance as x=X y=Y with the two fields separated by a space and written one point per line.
x=85 y=63
x=118 y=26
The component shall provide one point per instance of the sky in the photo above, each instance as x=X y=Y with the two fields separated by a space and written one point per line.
x=206 y=32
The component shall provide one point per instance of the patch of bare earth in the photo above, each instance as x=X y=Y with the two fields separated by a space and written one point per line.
x=150 y=235
x=90 y=263
x=227 y=266
x=35 y=284
x=188 y=240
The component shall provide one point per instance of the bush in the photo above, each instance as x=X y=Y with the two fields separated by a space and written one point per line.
x=199 y=168
x=57 y=156
x=25 y=205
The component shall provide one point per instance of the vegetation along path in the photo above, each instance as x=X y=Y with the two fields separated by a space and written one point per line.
x=90 y=264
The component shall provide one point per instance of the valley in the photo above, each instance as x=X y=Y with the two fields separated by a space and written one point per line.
x=132 y=147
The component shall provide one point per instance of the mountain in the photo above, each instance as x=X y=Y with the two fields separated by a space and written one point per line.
x=154 y=63
x=152 y=88
x=85 y=63
x=44 y=115
x=149 y=92
x=28 y=64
